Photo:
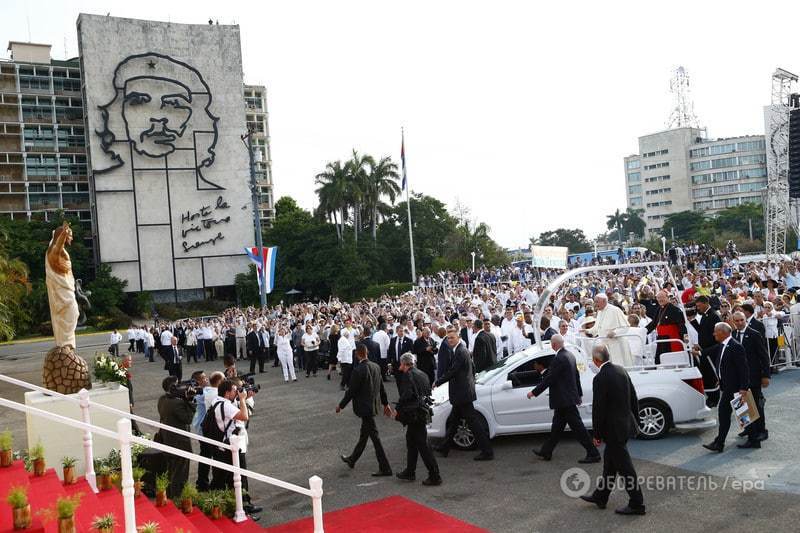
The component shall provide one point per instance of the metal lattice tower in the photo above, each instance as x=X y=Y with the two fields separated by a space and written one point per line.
x=776 y=205
x=682 y=115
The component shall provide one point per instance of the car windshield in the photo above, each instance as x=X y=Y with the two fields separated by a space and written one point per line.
x=497 y=368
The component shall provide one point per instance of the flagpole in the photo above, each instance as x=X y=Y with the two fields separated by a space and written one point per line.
x=408 y=206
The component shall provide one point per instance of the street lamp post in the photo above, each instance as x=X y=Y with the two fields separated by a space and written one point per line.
x=663 y=245
x=473 y=261
x=256 y=215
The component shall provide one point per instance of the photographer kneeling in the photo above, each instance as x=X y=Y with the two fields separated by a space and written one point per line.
x=176 y=409
x=413 y=411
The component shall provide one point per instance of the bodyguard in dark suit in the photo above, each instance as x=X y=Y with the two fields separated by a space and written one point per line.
x=252 y=345
x=399 y=345
x=173 y=361
x=413 y=387
x=730 y=361
x=759 y=374
x=704 y=324
x=564 y=382
x=484 y=353
x=367 y=393
x=615 y=411
x=423 y=349
x=461 y=381
x=752 y=321
x=373 y=348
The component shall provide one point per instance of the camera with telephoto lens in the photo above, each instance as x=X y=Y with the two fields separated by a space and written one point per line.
x=249 y=383
x=185 y=390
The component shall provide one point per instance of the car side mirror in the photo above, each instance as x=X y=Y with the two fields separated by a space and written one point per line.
x=507 y=385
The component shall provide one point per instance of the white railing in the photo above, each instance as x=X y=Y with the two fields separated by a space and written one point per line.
x=126 y=438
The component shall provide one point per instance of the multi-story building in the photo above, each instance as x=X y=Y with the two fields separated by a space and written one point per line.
x=680 y=170
x=255 y=101
x=43 y=166
x=42 y=139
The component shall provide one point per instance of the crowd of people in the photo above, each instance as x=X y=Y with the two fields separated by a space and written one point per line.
x=452 y=330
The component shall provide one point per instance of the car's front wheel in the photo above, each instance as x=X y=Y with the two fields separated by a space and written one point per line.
x=654 y=420
x=463 y=438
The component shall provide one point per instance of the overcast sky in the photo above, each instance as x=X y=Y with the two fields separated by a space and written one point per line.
x=521 y=111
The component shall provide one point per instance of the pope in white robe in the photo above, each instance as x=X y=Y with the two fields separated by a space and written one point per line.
x=611 y=318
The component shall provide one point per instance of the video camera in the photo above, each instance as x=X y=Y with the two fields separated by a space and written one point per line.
x=185 y=390
x=249 y=383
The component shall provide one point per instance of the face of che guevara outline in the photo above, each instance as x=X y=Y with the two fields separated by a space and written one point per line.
x=166 y=104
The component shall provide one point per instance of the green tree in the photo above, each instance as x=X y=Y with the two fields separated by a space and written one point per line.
x=108 y=292
x=735 y=219
x=617 y=221
x=246 y=286
x=574 y=239
x=381 y=181
x=14 y=289
x=686 y=225
x=333 y=194
x=634 y=223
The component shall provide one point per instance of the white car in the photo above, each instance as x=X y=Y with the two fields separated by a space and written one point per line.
x=670 y=396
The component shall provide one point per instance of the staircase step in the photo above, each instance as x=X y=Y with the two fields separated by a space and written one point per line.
x=227 y=525
x=43 y=492
x=202 y=522
x=177 y=519
x=14 y=476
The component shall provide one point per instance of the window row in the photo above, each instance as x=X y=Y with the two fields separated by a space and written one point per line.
x=635 y=201
x=657 y=152
x=660 y=204
x=634 y=177
x=728 y=189
x=663 y=190
x=718 y=149
x=657 y=165
x=729 y=175
x=755 y=159
x=634 y=189
x=726 y=202
x=652 y=179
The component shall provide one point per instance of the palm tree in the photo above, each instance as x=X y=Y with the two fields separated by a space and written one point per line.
x=617 y=220
x=634 y=223
x=357 y=178
x=381 y=181
x=333 y=194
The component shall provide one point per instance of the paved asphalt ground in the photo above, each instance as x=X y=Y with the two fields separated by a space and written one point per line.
x=295 y=434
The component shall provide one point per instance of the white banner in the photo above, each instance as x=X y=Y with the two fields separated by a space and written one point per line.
x=549 y=256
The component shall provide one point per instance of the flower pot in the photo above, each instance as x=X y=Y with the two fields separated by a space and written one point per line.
x=38 y=467
x=161 y=498
x=105 y=482
x=106 y=530
x=137 y=489
x=6 y=457
x=69 y=475
x=186 y=505
x=216 y=512
x=66 y=525
x=22 y=517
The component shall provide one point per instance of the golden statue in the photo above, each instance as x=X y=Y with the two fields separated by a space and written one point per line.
x=64 y=370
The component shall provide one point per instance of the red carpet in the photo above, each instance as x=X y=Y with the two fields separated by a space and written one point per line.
x=393 y=514
x=43 y=492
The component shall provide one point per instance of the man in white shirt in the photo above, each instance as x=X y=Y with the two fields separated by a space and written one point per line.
x=241 y=334
x=382 y=339
x=165 y=340
x=114 y=342
x=131 y=339
x=506 y=328
x=226 y=413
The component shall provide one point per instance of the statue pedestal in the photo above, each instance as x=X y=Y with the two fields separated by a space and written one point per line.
x=60 y=440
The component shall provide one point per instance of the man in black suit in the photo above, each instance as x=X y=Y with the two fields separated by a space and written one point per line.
x=423 y=349
x=730 y=361
x=367 y=392
x=373 y=348
x=704 y=323
x=399 y=345
x=564 y=381
x=263 y=348
x=615 y=411
x=252 y=345
x=759 y=372
x=174 y=360
x=461 y=381
x=484 y=353
x=752 y=321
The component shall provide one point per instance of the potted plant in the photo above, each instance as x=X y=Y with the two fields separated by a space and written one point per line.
x=36 y=458
x=188 y=497
x=138 y=474
x=162 y=482
x=105 y=523
x=148 y=527
x=17 y=498
x=6 y=453
x=64 y=511
x=212 y=504
x=68 y=464
x=104 y=477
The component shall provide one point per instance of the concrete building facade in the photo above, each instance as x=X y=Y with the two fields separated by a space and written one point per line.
x=680 y=170
x=255 y=101
x=43 y=165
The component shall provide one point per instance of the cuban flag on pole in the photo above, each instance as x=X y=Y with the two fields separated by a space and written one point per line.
x=403 y=158
x=265 y=265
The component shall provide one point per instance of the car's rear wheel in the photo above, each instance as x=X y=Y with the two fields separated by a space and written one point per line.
x=463 y=438
x=654 y=420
